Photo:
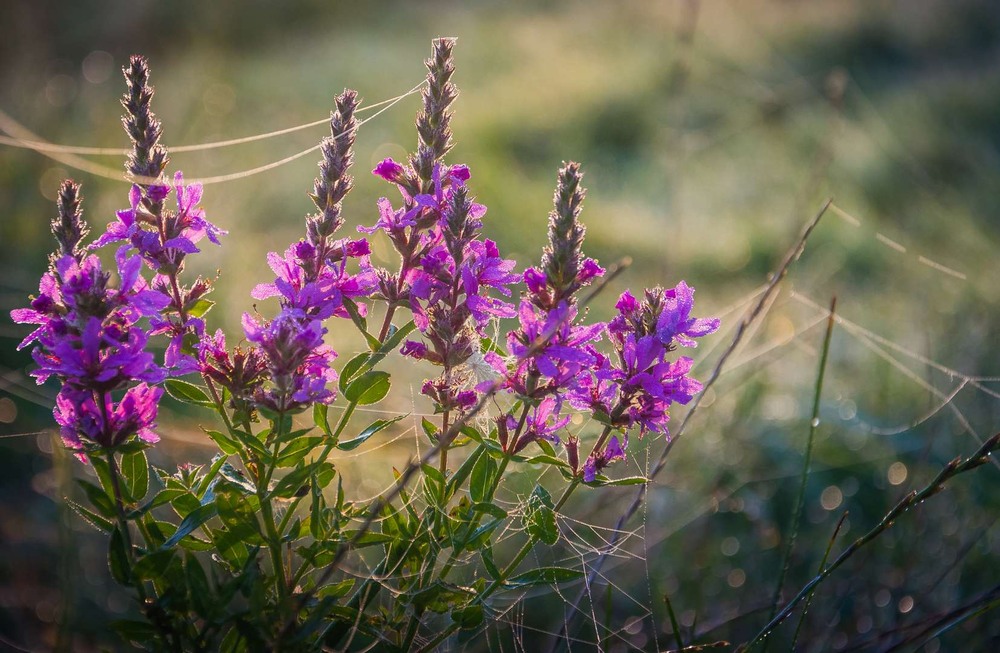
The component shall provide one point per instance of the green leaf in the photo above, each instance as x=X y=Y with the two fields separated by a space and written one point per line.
x=430 y=429
x=320 y=413
x=200 y=308
x=490 y=509
x=92 y=518
x=352 y=368
x=290 y=485
x=546 y=460
x=297 y=449
x=545 y=576
x=153 y=566
x=335 y=590
x=464 y=470
x=198 y=587
x=439 y=597
x=469 y=617
x=118 y=557
x=481 y=484
x=226 y=444
x=486 y=553
x=433 y=473
x=372 y=429
x=195 y=519
x=187 y=392
x=540 y=518
x=602 y=481
x=135 y=472
x=99 y=499
x=369 y=388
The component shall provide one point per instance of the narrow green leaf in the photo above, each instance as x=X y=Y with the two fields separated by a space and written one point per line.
x=490 y=509
x=486 y=553
x=198 y=587
x=370 y=430
x=297 y=449
x=195 y=518
x=546 y=460
x=545 y=576
x=481 y=483
x=456 y=480
x=430 y=429
x=188 y=393
x=226 y=444
x=118 y=557
x=352 y=368
x=290 y=485
x=95 y=520
x=320 y=417
x=369 y=388
x=99 y=499
x=135 y=472
x=604 y=481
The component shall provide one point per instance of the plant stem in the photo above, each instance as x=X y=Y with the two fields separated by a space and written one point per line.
x=800 y=499
x=504 y=575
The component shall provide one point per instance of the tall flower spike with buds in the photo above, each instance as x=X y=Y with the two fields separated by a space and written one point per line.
x=551 y=349
x=425 y=175
x=164 y=238
x=312 y=284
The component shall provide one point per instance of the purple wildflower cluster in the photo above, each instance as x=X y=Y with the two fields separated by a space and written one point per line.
x=638 y=387
x=446 y=277
x=312 y=284
x=89 y=333
x=88 y=338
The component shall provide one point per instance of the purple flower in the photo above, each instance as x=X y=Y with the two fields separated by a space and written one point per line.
x=597 y=461
x=543 y=423
x=675 y=323
x=300 y=365
x=388 y=170
x=102 y=422
x=319 y=295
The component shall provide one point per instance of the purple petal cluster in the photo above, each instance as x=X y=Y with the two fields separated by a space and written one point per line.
x=319 y=294
x=639 y=387
x=299 y=365
x=88 y=338
x=448 y=276
x=164 y=238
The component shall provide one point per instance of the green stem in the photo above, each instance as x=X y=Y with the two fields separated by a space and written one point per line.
x=800 y=499
x=504 y=575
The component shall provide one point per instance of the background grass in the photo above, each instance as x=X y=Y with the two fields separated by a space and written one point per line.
x=709 y=132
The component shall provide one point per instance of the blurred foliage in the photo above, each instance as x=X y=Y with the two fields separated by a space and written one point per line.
x=709 y=133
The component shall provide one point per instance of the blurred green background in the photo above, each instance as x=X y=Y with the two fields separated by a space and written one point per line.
x=709 y=133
